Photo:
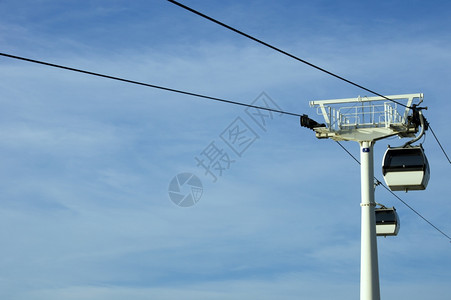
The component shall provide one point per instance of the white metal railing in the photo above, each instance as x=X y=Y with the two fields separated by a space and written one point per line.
x=360 y=116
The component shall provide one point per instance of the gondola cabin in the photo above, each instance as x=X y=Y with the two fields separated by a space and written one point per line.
x=387 y=222
x=405 y=169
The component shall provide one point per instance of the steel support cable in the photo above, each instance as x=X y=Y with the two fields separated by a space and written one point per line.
x=397 y=197
x=148 y=85
x=294 y=57
x=201 y=96
x=438 y=142
x=283 y=52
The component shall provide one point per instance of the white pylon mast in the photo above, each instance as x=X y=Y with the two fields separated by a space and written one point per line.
x=369 y=267
x=366 y=120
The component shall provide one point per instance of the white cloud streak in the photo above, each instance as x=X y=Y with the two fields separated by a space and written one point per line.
x=85 y=212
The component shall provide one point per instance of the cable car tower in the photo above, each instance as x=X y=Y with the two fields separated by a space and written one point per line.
x=366 y=120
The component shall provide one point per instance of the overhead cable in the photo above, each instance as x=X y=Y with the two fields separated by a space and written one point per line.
x=438 y=142
x=201 y=96
x=282 y=51
x=148 y=85
x=294 y=57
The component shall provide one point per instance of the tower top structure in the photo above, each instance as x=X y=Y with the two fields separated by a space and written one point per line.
x=366 y=118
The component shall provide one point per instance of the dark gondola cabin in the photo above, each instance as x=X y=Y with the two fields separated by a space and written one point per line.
x=387 y=222
x=405 y=168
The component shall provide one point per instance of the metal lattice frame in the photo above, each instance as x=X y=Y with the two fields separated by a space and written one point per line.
x=365 y=118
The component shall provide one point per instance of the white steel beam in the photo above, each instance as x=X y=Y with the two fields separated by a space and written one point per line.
x=369 y=270
x=410 y=97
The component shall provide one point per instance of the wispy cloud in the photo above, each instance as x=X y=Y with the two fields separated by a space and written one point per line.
x=85 y=211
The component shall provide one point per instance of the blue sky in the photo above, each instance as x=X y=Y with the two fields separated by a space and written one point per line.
x=84 y=205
